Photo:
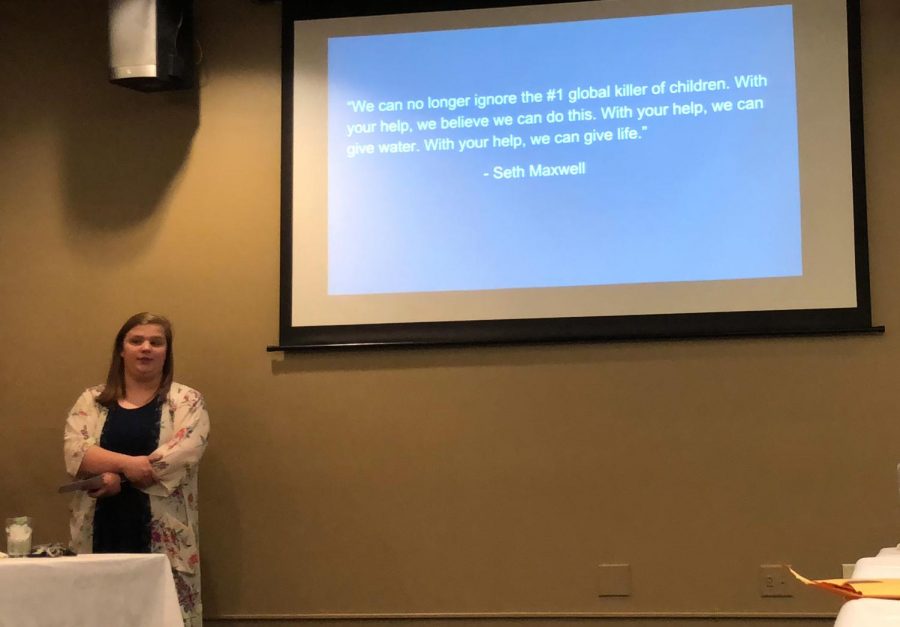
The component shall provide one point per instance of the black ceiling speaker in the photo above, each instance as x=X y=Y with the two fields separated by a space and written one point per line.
x=151 y=44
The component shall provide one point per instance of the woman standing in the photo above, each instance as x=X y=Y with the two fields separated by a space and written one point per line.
x=144 y=434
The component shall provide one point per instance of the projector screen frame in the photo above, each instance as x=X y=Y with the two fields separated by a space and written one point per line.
x=567 y=329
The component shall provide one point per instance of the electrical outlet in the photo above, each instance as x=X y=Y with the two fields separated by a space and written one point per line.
x=773 y=581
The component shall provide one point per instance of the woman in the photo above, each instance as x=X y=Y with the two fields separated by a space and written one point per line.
x=144 y=435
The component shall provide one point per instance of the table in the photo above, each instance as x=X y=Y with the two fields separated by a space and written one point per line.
x=873 y=612
x=113 y=590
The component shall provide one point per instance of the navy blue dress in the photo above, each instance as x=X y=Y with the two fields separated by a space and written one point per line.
x=122 y=522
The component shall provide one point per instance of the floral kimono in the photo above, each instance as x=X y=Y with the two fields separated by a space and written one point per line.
x=183 y=431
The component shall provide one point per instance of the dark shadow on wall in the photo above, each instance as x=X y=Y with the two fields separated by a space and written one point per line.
x=120 y=150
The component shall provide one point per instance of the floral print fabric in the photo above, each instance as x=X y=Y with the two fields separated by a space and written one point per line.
x=184 y=429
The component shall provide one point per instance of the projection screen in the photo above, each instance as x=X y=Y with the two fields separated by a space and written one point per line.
x=475 y=173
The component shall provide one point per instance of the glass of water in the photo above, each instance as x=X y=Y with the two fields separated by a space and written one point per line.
x=18 y=536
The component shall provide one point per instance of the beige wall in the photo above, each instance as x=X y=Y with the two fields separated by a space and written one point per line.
x=489 y=481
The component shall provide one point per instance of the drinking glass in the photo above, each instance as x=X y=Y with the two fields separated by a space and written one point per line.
x=18 y=536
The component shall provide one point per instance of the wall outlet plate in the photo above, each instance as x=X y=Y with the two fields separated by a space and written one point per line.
x=774 y=581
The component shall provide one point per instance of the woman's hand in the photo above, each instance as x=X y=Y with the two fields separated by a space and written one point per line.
x=139 y=471
x=112 y=485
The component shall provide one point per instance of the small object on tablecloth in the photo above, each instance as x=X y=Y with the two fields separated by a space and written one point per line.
x=18 y=536
x=53 y=549
x=855 y=588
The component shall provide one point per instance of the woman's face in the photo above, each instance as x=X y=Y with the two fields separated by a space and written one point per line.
x=144 y=352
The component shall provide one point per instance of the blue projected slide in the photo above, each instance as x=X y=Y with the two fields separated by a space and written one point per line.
x=615 y=151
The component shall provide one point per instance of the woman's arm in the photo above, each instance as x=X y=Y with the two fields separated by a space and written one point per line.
x=137 y=469
x=182 y=452
x=83 y=454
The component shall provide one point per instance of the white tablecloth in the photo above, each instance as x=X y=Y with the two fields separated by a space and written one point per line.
x=109 y=590
x=873 y=612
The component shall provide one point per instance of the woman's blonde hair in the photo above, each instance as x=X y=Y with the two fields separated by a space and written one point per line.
x=115 y=378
